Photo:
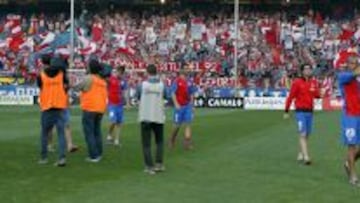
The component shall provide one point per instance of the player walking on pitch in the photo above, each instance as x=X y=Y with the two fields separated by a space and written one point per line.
x=116 y=87
x=182 y=92
x=303 y=90
x=350 y=121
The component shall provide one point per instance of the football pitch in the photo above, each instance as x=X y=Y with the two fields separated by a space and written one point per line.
x=239 y=156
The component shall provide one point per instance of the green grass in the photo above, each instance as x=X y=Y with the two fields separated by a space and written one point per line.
x=239 y=157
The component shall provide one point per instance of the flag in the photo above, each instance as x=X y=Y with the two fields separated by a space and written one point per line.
x=120 y=40
x=80 y=34
x=16 y=39
x=61 y=40
x=29 y=43
x=46 y=40
x=3 y=43
x=357 y=34
x=88 y=50
x=342 y=57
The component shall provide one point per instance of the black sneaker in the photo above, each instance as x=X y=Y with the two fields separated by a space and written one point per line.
x=307 y=162
x=60 y=163
x=73 y=149
x=357 y=156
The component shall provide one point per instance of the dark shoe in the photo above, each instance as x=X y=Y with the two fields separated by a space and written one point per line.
x=357 y=156
x=307 y=162
x=73 y=149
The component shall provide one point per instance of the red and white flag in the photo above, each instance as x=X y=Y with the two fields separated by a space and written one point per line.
x=342 y=57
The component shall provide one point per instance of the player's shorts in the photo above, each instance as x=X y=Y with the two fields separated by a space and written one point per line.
x=184 y=115
x=67 y=117
x=116 y=113
x=304 y=122
x=350 y=127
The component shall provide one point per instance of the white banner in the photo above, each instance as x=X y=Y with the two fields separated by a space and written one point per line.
x=150 y=35
x=272 y=103
x=197 y=30
x=180 y=29
x=163 y=47
x=16 y=100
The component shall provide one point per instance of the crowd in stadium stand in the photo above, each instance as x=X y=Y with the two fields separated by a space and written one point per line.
x=270 y=46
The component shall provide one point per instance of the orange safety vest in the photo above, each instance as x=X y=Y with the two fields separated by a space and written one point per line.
x=94 y=100
x=52 y=93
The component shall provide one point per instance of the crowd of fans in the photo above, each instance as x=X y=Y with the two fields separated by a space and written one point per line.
x=270 y=46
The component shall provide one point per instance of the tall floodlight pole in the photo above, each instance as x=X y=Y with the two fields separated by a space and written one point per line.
x=236 y=22
x=72 y=7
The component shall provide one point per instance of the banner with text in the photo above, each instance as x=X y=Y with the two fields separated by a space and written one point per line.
x=272 y=103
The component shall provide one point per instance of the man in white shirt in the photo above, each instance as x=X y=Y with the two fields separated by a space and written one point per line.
x=152 y=118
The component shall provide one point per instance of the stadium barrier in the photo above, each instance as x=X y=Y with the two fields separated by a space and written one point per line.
x=332 y=104
x=247 y=99
x=16 y=100
x=202 y=102
x=273 y=103
x=19 y=90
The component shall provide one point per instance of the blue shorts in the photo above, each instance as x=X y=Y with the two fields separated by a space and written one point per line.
x=183 y=115
x=304 y=122
x=350 y=127
x=67 y=117
x=116 y=113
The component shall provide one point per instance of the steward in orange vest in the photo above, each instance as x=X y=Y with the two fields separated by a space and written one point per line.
x=93 y=99
x=53 y=84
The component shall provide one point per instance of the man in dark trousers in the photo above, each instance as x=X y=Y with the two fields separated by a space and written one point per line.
x=93 y=104
x=53 y=85
x=152 y=118
x=71 y=147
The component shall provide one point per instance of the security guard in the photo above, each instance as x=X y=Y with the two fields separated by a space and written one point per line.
x=53 y=85
x=93 y=99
